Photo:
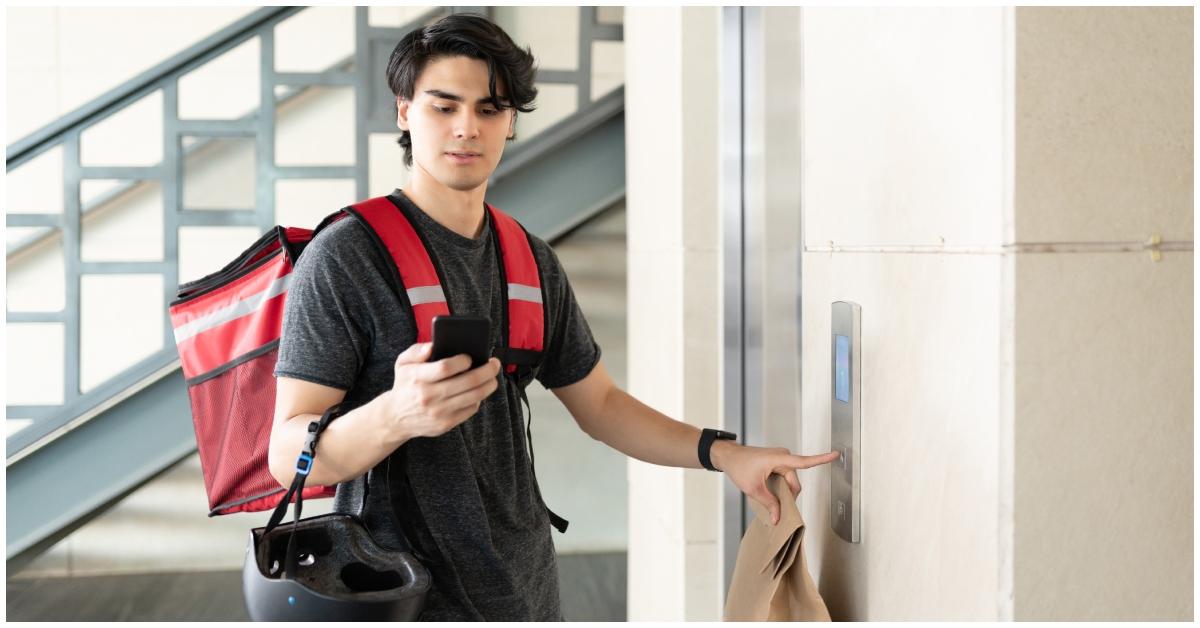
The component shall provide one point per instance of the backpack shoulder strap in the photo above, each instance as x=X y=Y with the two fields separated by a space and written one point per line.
x=523 y=292
x=417 y=274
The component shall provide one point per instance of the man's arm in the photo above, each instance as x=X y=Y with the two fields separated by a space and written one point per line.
x=615 y=418
x=426 y=399
x=350 y=445
x=612 y=416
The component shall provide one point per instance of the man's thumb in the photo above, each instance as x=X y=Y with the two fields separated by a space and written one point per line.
x=415 y=354
x=772 y=504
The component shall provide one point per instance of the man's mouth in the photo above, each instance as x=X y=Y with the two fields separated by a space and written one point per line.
x=464 y=158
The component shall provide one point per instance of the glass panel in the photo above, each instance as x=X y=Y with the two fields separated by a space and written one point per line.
x=225 y=88
x=35 y=363
x=610 y=15
x=608 y=67
x=555 y=102
x=36 y=186
x=205 y=250
x=129 y=137
x=304 y=202
x=316 y=128
x=36 y=275
x=551 y=32
x=386 y=170
x=394 y=16
x=333 y=27
x=121 y=322
x=122 y=220
x=218 y=173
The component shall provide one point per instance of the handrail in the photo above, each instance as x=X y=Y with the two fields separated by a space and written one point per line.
x=583 y=120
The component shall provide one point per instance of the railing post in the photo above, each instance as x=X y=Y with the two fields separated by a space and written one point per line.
x=71 y=234
x=265 y=177
x=172 y=169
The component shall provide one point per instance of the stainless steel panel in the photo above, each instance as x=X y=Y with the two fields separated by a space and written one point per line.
x=733 y=503
x=845 y=393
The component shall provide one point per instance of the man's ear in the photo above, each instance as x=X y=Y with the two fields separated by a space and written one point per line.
x=512 y=124
x=402 y=113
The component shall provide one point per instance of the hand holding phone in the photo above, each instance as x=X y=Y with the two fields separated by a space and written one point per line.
x=432 y=394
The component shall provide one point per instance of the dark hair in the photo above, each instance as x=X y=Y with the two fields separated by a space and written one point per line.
x=469 y=35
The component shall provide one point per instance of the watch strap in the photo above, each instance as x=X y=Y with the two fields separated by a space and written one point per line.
x=703 y=450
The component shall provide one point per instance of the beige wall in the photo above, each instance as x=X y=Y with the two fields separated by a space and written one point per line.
x=981 y=181
x=671 y=166
x=904 y=148
x=1104 y=359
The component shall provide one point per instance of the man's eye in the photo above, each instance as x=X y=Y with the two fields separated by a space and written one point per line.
x=490 y=112
x=442 y=109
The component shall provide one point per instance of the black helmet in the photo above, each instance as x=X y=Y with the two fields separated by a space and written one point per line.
x=327 y=568
x=341 y=574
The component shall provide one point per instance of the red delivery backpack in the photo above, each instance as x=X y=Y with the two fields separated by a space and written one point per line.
x=227 y=327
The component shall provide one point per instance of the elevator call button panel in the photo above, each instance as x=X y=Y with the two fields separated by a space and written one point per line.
x=845 y=508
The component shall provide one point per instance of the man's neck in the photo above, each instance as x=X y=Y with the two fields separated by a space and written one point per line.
x=458 y=211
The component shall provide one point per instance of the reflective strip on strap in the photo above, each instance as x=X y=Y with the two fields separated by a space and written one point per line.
x=521 y=292
x=426 y=294
x=233 y=311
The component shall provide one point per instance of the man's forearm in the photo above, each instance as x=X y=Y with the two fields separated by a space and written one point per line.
x=350 y=445
x=637 y=430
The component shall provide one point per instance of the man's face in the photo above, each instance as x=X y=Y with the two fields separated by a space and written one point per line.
x=457 y=136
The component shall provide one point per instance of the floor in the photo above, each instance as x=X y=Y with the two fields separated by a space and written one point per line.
x=592 y=588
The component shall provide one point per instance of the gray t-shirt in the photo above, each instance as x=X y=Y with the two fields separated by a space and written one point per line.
x=467 y=501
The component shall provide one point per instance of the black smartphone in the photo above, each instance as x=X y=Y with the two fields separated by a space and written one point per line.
x=453 y=335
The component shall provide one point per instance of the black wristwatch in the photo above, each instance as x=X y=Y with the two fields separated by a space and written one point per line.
x=706 y=440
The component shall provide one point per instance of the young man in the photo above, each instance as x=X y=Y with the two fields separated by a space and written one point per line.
x=445 y=443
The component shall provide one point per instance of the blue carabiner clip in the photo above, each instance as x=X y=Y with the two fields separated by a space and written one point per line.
x=304 y=464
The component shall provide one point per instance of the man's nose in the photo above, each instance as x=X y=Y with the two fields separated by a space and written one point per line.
x=466 y=126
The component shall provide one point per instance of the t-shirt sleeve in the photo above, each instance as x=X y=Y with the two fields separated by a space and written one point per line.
x=571 y=352
x=326 y=335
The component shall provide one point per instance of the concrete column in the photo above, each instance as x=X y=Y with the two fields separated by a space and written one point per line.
x=671 y=177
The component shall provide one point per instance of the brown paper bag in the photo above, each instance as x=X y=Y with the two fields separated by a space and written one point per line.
x=770 y=579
